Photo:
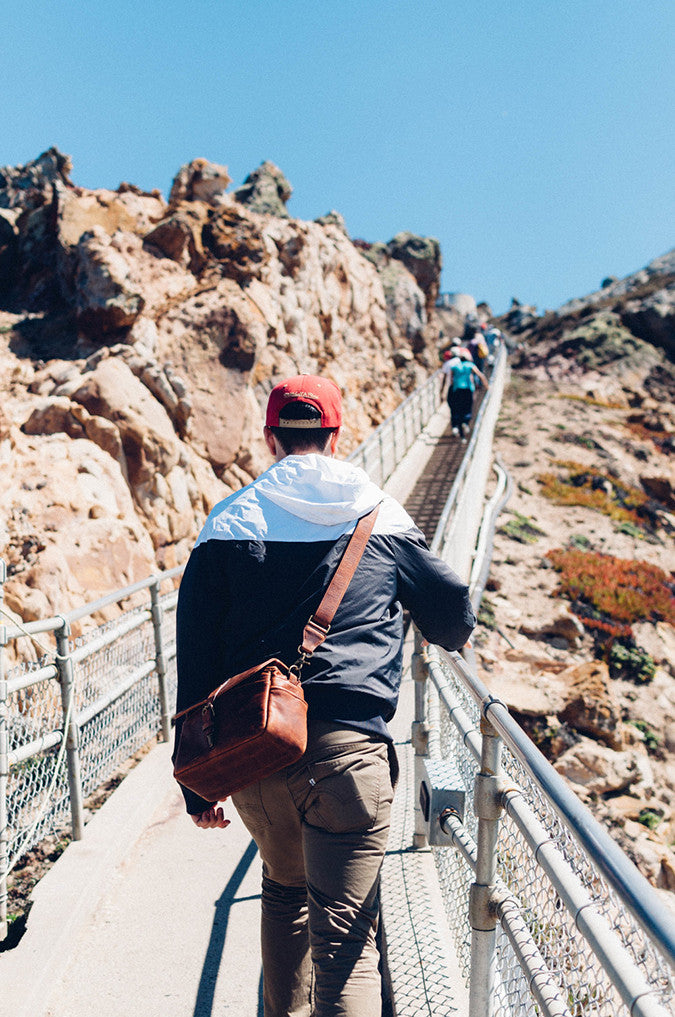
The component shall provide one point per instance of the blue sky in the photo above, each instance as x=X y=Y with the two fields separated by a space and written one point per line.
x=534 y=138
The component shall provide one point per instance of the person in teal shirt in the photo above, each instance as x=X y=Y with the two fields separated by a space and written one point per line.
x=459 y=372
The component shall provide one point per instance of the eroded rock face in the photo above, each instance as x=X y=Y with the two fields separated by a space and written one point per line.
x=151 y=336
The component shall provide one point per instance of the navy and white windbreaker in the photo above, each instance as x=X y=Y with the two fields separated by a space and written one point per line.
x=261 y=565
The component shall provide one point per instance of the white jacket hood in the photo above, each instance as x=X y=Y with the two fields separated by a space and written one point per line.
x=303 y=498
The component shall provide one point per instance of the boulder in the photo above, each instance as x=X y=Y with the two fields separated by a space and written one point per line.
x=377 y=253
x=8 y=246
x=598 y=769
x=661 y=488
x=333 y=218
x=73 y=531
x=590 y=704
x=422 y=257
x=31 y=186
x=653 y=318
x=563 y=630
x=179 y=236
x=106 y=300
x=149 y=442
x=200 y=180
x=520 y=317
x=658 y=640
x=58 y=415
x=213 y=340
x=80 y=211
x=35 y=283
x=266 y=191
x=402 y=356
x=406 y=311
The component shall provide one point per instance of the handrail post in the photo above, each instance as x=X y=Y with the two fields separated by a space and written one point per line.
x=4 y=771
x=71 y=733
x=420 y=733
x=394 y=443
x=157 y=613
x=482 y=910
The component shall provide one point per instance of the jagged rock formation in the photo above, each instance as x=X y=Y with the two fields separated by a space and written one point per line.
x=266 y=191
x=138 y=341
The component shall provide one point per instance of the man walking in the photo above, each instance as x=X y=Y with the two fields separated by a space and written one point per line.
x=258 y=571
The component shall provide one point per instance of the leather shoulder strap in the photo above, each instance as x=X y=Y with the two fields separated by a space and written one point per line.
x=318 y=626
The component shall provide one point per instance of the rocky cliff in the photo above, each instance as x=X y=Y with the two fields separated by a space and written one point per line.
x=139 y=339
x=577 y=628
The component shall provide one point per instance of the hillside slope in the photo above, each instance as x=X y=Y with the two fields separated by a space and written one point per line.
x=578 y=629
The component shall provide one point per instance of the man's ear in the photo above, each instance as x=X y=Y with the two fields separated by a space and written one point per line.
x=269 y=441
x=334 y=440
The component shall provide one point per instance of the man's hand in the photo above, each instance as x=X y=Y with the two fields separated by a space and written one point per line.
x=212 y=819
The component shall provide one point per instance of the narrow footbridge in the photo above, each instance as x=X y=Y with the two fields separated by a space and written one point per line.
x=501 y=895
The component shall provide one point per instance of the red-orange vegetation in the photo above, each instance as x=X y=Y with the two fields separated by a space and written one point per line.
x=616 y=589
x=588 y=486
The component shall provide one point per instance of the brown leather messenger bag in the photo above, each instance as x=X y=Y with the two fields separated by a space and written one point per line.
x=255 y=722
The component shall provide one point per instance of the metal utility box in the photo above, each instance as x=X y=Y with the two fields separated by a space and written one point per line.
x=441 y=788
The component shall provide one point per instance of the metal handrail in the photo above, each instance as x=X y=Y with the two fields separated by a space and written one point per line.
x=630 y=885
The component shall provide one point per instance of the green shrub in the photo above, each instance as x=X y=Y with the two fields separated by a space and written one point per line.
x=630 y=662
x=591 y=488
x=649 y=818
x=486 y=614
x=620 y=590
x=651 y=739
x=631 y=530
x=522 y=529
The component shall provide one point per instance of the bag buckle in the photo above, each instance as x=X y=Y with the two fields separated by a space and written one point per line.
x=208 y=723
x=296 y=668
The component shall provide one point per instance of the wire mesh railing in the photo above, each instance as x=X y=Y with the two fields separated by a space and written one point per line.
x=580 y=931
x=72 y=718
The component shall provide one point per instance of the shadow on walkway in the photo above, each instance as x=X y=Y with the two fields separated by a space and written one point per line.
x=211 y=966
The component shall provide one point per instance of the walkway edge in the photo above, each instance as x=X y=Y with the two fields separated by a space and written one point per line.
x=68 y=895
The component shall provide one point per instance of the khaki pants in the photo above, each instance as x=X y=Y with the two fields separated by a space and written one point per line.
x=321 y=827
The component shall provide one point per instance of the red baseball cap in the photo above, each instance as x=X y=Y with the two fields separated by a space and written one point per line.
x=322 y=393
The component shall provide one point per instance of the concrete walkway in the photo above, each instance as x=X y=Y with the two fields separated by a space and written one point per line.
x=146 y=916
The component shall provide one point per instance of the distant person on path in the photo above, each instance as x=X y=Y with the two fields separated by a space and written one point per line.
x=478 y=349
x=459 y=372
x=493 y=338
x=258 y=571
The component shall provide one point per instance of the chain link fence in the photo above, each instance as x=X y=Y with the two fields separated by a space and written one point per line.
x=72 y=718
x=592 y=954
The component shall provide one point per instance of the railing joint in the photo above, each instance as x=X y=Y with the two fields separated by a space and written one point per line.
x=483 y=903
x=419 y=737
x=487 y=796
